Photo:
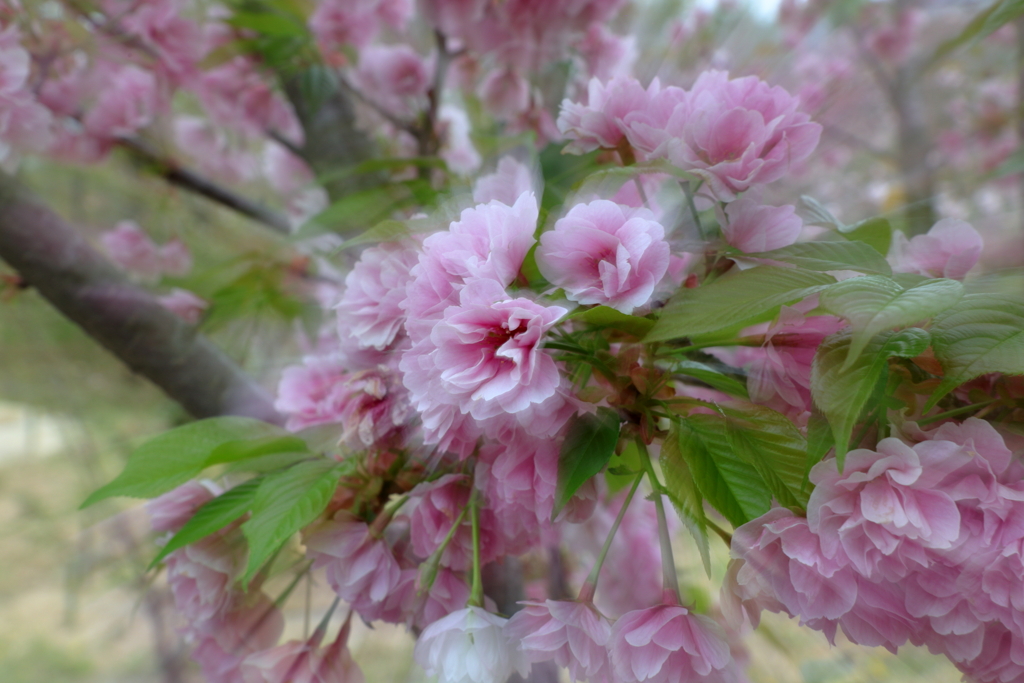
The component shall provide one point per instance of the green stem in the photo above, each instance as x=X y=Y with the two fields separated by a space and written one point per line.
x=476 y=593
x=385 y=516
x=590 y=586
x=640 y=190
x=670 y=580
x=955 y=412
x=693 y=207
x=428 y=570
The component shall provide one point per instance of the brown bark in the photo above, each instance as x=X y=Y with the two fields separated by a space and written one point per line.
x=50 y=255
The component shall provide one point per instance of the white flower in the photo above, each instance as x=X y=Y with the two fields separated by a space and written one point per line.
x=468 y=646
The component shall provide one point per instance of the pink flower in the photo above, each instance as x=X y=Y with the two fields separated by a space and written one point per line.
x=783 y=569
x=357 y=22
x=520 y=483
x=884 y=510
x=753 y=227
x=468 y=646
x=299 y=661
x=252 y=623
x=132 y=249
x=448 y=594
x=607 y=55
x=371 y=306
x=15 y=62
x=200 y=577
x=605 y=253
x=488 y=241
x=360 y=568
x=184 y=304
x=485 y=355
x=505 y=93
x=949 y=249
x=128 y=102
x=394 y=76
x=510 y=181
x=668 y=644
x=457 y=148
x=734 y=134
x=573 y=634
x=601 y=122
x=172 y=510
x=440 y=504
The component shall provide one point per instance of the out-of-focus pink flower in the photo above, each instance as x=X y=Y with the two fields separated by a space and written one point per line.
x=949 y=249
x=128 y=102
x=573 y=634
x=520 y=482
x=448 y=594
x=299 y=661
x=160 y=26
x=25 y=125
x=457 y=148
x=355 y=22
x=893 y=43
x=200 y=576
x=133 y=250
x=394 y=76
x=505 y=93
x=371 y=306
x=600 y=123
x=15 y=62
x=605 y=253
x=360 y=568
x=607 y=55
x=439 y=505
x=468 y=646
x=184 y=304
x=510 y=181
x=210 y=150
x=249 y=624
x=236 y=95
x=668 y=644
x=753 y=227
x=170 y=511
x=884 y=511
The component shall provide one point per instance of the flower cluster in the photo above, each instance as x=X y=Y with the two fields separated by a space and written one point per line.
x=916 y=541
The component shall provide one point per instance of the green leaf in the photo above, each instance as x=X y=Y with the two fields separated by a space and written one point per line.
x=983 y=24
x=983 y=333
x=283 y=504
x=682 y=490
x=771 y=443
x=831 y=255
x=819 y=440
x=587 y=448
x=213 y=516
x=841 y=392
x=726 y=480
x=603 y=316
x=814 y=212
x=174 y=457
x=875 y=303
x=711 y=377
x=623 y=468
x=733 y=299
x=268 y=24
x=875 y=232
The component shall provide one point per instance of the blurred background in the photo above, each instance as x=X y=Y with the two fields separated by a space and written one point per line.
x=922 y=122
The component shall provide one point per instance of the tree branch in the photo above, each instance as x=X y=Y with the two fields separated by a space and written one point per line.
x=50 y=255
x=183 y=177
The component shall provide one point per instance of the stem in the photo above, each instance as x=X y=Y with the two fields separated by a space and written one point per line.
x=428 y=570
x=590 y=586
x=321 y=628
x=641 y=191
x=670 y=580
x=385 y=516
x=476 y=593
x=954 y=412
x=688 y=191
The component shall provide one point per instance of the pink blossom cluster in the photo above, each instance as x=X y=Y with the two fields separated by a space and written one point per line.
x=916 y=541
x=132 y=249
x=733 y=134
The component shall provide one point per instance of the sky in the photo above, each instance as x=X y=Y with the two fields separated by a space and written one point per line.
x=764 y=8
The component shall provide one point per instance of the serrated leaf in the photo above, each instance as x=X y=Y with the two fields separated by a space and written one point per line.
x=875 y=303
x=213 y=516
x=983 y=333
x=734 y=298
x=771 y=443
x=604 y=316
x=829 y=255
x=174 y=457
x=874 y=232
x=711 y=377
x=730 y=484
x=841 y=392
x=819 y=441
x=236 y=451
x=587 y=448
x=686 y=498
x=268 y=24
x=285 y=503
x=623 y=468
